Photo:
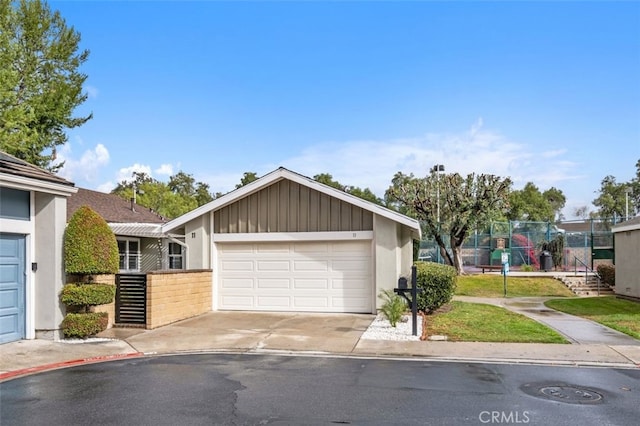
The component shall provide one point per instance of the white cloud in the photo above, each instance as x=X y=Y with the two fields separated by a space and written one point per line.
x=372 y=163
x=106 y=187
x=85 y=168
x=164 y=169
x=126 y=173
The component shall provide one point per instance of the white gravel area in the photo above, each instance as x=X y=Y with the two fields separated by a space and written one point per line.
x=87 y=340
x=380 y=329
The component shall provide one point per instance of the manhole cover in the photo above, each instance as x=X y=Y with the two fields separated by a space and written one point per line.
x=570 y=394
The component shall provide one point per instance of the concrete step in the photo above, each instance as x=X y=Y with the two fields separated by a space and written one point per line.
x=590 y=287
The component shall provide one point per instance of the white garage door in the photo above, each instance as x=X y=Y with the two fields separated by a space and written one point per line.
x=300 y=276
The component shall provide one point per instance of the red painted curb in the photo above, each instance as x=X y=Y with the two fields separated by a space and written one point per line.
x=56 y=365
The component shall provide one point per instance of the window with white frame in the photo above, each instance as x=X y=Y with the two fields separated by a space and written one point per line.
x=175 y=256
x=129 y=250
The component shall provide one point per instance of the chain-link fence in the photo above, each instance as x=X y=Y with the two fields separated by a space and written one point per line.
x=586 y=244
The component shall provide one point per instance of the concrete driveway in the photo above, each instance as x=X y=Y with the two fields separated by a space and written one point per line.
x=335 y=333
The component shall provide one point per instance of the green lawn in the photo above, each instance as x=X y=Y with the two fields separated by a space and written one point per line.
x=478 y=322
x=493 y=286
x=619 y=314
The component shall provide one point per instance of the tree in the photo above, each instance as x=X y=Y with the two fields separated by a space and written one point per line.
x=611 y=201
x=556 y=200
x=582 y=212
x=465 y=204
x=40 y=85
x=175 y=198
x=634 y=195
x=531 y=205
x=365 y=194
x=246 y=179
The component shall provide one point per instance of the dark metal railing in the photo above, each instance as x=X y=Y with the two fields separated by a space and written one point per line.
x=131 y=299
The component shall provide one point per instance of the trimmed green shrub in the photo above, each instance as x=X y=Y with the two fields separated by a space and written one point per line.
x=526 y=268
x=394 y=306
x=87 y=294
x=437 y=282
x=607 y=273
x=90 y=247
x=84 y=325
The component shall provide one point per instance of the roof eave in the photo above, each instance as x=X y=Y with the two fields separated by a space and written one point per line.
x=39 y=185
x=282 y=173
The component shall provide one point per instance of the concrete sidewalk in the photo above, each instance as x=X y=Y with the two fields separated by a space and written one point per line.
x=334 y=334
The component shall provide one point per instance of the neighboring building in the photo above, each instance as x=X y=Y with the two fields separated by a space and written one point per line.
x=627 y=243
x=288 y=243
x=33 y=211
x=142 y=245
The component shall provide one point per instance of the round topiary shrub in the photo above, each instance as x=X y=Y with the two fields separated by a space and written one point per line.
x=84 y=325
x=437 y=282
x=90 y=247
x=87 y=294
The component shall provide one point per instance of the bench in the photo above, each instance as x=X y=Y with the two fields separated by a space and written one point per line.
x=489 y=267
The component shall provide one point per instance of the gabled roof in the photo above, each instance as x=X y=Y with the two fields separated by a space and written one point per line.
x=628 y=225
x=112 y=208
x=280 y=174
x=22 y=175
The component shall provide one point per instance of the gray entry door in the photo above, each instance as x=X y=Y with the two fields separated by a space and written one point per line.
x=12 y=287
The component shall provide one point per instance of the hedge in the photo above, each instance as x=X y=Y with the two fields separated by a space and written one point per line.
x=437 y=282
x=607 y=273
x=87 y=294
x=84 y=325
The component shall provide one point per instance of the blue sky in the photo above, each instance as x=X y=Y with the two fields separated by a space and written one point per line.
x=546 y=92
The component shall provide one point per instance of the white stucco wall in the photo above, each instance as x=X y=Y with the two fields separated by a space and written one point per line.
x=50 y=212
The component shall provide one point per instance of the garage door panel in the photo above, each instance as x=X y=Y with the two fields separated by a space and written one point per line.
x=311 y=265
x=238 y=302
x=9 y=298
x=266 y=248
x=239 y=248
x=273 y=265
x=273 y=302
x=311 y=303
x=311 y=284
x=12 y=287
x=9 y=323
x=351 y=265
x=311 y=248
x=231 y=283
x=351 y=284
x=283 y=283
x=302 y=276
x=237 y=265
x=349 y=248
x=351 y=303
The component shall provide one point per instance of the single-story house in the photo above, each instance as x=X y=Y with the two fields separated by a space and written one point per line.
x=33 y=212
x=627 y=243
x=286 y=242
x=142 y=245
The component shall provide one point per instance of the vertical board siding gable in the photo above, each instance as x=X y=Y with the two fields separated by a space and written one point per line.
x=287 y=206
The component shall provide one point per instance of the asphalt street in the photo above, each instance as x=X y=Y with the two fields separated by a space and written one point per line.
x=251 y=389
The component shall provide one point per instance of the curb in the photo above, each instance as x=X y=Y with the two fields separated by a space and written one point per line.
x=57 y=365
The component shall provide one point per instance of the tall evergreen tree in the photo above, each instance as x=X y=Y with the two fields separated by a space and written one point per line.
x=40 y=85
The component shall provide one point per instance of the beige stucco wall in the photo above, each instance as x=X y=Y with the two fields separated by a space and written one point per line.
x=50 y=213
x=174 y=296
x=197 y=237
x=393 y=253
x=627 y=267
